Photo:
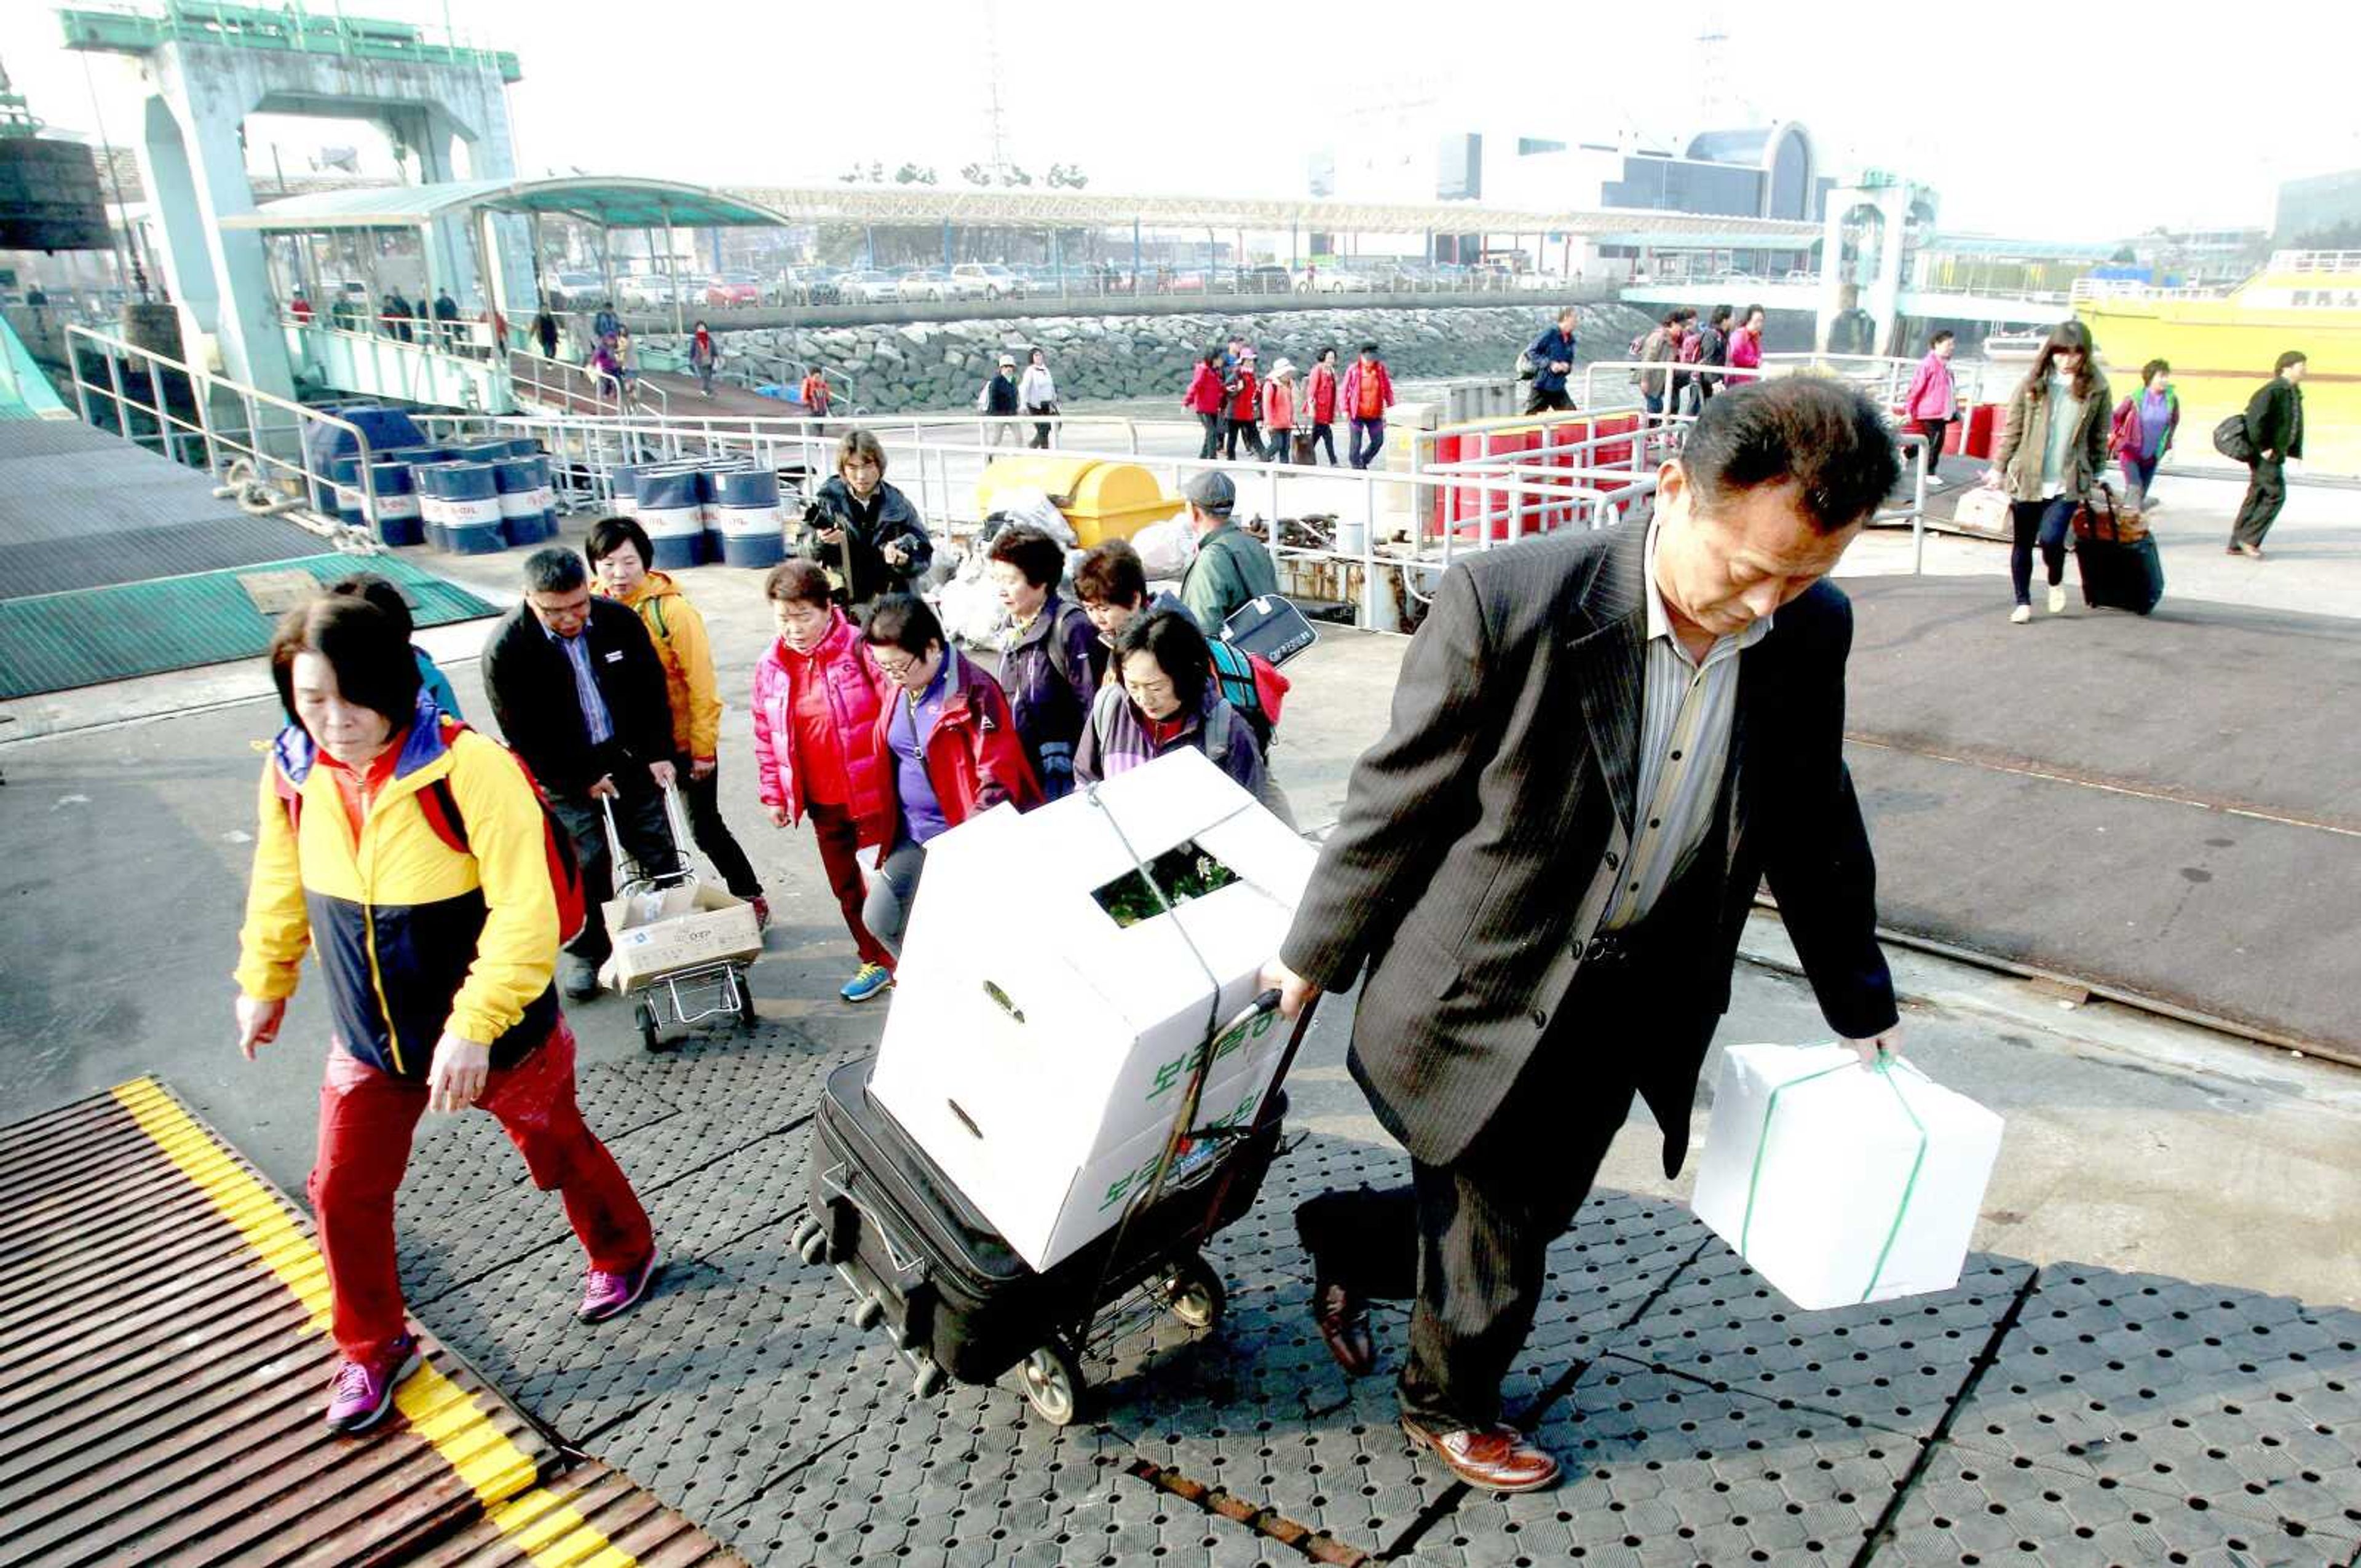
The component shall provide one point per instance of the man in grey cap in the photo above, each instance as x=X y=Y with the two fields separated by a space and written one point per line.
x=1230 y=566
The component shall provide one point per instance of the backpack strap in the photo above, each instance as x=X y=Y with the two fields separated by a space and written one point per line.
x=1059 y=660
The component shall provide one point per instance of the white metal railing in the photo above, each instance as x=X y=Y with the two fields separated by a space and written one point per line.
x=263 y=459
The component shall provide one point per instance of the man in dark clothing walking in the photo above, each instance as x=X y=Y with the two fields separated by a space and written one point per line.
x=1713 y=348
x=1552 y=354
x=2275 y=426
x=999 y=400
x=1602 y=744
x=581 y=696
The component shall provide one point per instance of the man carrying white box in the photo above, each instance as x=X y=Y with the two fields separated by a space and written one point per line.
x=1600 y=744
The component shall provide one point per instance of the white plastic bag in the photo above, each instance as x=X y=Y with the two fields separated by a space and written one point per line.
x=1027 y=504
x=1166 y=549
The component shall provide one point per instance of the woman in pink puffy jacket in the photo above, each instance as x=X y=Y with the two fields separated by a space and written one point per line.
x=818 y=696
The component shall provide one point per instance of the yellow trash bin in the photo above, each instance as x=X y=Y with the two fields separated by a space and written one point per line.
x=1102 y=500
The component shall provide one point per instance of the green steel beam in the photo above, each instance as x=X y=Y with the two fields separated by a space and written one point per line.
x=273 y=31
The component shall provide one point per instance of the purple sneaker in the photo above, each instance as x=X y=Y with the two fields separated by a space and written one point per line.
x=363 y=1390
x=605 y=1295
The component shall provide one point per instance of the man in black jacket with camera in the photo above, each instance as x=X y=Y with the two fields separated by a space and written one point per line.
x=581 y=696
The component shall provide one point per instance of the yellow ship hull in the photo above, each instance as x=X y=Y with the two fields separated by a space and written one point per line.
x=2220 y=352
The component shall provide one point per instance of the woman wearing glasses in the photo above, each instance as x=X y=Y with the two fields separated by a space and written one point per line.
x=2052 y=451
x=949 y=746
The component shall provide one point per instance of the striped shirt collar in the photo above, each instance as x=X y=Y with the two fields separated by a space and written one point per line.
x=1660 y=619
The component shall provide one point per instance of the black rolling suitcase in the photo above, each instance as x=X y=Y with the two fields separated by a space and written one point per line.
x=953 y=1297
x=2118 y=562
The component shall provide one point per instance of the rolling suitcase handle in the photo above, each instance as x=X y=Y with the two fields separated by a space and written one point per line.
x=675 y=824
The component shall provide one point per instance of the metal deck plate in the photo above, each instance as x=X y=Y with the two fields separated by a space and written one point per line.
x=1899 y=1364
x=1971 y=1508
x=1663 y=1470
x=2227 y=1401
x=1259 y=1409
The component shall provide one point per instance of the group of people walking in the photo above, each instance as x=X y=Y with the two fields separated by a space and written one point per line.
x=1728 y=355
x=1288 y=418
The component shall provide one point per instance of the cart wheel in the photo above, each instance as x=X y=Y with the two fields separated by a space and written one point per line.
x=928 y=1381
x=1053 y=1382
x=815 y=1247
x=1195 y=1293
x=868 y=1312
x=646 y=1018
x=746 y=1017
x=801 y=1236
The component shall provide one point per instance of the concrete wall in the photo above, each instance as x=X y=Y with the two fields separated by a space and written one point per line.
x=922 y=366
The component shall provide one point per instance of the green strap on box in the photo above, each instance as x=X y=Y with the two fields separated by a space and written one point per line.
x=1883 y=1068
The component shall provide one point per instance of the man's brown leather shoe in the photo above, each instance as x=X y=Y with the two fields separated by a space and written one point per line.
x=1345 y=1325
x=1499 y=1459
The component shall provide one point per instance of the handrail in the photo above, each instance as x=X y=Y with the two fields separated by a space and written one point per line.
x=301 y=509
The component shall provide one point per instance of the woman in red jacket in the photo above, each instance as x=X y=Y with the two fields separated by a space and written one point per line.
x=1320 y=401
x=1244 y=420
x=818 y=697
x=950 y=746
x=1203 y=399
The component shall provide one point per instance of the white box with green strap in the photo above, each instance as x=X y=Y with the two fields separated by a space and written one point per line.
x=1841 y=1182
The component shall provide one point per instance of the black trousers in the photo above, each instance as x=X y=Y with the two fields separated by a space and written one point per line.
x=703 y=799
x=1213 y=442
x=1467 y=1241
x=1538 y=401
x=1325 y=435
x=2266 y=493
x=1247 y=430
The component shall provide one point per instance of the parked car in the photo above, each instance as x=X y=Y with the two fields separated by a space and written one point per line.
x=646 y=290
x=922 y=285
x=1266 y=279
x=990 y=279
x=871 y=288
x=575 y=291
x=730 y=289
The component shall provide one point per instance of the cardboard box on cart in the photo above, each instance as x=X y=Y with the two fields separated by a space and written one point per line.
x=674 y=929
x=1038 y=1049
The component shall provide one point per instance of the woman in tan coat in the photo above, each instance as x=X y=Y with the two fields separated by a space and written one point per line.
x=2052 y=454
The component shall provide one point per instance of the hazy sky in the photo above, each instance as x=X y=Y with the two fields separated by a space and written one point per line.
x=2032 y=117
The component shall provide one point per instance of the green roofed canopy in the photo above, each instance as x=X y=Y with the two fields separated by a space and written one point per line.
x=621 y=203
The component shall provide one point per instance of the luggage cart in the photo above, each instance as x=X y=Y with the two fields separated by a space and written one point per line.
x=695 y=992
x=957 y=1304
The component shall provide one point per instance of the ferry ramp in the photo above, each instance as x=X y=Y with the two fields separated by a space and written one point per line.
x=117 y=560
x=163 y=1356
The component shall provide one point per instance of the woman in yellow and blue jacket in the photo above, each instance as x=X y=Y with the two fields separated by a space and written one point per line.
x=414 y=859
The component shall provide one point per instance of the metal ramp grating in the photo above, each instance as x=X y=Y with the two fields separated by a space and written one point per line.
x=58 y=641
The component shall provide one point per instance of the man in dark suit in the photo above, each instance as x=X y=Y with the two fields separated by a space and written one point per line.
x=2275 y=425
x=581 y=696
x=1600 y=744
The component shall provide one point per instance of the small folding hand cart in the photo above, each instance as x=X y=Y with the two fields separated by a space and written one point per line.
x=682 y=946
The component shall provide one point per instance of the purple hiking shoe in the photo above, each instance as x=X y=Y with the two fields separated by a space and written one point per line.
x=363 y=1390
x=605 y=1295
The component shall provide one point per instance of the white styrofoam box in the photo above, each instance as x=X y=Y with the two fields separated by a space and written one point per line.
x=1032 y=1039
x=1868 y=1182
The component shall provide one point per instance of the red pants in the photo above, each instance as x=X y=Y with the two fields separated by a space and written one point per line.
x=839 y=854
x=367 y=1117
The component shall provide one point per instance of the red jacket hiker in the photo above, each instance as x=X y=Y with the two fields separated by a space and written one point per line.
x=1205 y=393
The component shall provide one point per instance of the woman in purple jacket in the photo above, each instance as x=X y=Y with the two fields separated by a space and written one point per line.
x=1167 y=699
